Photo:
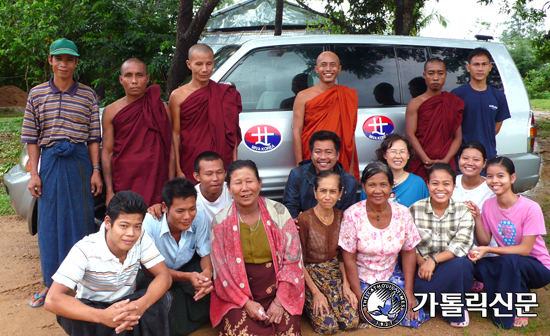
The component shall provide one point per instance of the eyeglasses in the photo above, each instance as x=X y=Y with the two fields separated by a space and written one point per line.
x=394 y=152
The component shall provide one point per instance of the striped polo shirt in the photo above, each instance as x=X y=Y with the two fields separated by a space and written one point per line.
x=98 y=274
x=52 y=115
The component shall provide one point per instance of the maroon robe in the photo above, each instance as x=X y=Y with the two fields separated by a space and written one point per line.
x=209 y=121
x=438 y=119
x=141 y=154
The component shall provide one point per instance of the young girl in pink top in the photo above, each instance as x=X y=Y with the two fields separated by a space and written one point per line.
x=517 y=225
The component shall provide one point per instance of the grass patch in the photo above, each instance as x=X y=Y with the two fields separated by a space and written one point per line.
x=7 y=112
x=10 y=149
x=540 y=104
x=543 y=128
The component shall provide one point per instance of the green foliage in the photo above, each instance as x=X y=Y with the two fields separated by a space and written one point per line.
x=536 y=82
x=517 y=38
x=10 y=148
x=106 y=32
x=5 y=207
x=370 y=17
x=520 y=8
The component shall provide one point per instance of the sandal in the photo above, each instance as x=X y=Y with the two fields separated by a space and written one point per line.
x=464 y=323
x=518 y=323
x=477 y=287
x=37 y=296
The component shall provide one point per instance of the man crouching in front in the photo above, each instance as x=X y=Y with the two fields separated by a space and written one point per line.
x=103 y=267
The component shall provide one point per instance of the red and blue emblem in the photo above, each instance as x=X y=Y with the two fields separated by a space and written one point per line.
x=377 y=127
x=263 y=138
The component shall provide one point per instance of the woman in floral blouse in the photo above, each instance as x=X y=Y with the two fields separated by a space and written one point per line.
x=374 y=232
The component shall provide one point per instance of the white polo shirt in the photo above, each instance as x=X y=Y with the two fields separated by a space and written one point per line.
x=98 y=274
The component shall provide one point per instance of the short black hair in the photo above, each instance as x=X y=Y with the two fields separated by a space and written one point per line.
x=434 y=60
x=388 y=143
x=324 y=174
x=177 y=188
x=126 y=202
x=240 y=164
x=474 y=145
x=325 y=135
x=374 y=168
x=478 y=52
x=133 y=60
x=206 y=156
x=443 y=166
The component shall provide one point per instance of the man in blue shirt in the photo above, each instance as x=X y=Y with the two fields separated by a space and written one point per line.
x=183 y=231
x=485 y=106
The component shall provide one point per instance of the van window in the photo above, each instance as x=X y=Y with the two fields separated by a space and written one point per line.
x=270 y=79
x=411 y=66
x=372 y=71
x=455 y=60
x=223 y=54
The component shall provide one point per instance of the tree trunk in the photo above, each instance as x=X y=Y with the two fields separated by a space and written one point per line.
x=279 y=18
x=189 y=31
x=403 y=16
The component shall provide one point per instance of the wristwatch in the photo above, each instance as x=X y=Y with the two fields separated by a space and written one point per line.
x=98 y=167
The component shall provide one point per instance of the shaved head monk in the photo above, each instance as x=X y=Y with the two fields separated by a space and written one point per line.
x=137 y=137
x=330 y=107
x=205 y=115
x=432 y=122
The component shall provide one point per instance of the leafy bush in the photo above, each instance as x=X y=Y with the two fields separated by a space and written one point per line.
x=536 y=83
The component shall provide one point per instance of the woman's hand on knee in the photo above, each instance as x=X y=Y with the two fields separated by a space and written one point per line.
x=320 y=304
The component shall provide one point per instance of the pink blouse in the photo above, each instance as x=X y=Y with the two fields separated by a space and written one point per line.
x=377 y=250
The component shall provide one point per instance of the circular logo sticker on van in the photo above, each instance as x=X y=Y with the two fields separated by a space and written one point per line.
x=377 y=127
x=263 y=138
x=385 y=303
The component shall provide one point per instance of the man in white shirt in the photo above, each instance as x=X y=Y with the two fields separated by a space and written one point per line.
x=212 y=192
x=103 y=266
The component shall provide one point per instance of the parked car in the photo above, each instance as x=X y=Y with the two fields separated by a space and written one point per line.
x=383 y=70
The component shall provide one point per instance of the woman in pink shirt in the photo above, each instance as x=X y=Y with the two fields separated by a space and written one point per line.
x=517 y=225
x=373 y=234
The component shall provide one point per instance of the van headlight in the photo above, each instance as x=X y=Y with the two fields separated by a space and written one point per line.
x=24 y=159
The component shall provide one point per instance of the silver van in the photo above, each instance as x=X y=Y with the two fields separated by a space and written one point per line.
x=384 y=70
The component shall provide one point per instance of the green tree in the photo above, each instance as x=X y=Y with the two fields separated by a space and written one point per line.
x=399 y=17
x=517 y=38
x=541 y=42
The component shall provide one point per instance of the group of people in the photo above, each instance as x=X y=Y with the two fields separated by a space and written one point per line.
x=187 y=236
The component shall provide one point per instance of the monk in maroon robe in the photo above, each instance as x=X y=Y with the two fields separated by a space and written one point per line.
x=137 y=138
x=205 y=115
x=433 y=122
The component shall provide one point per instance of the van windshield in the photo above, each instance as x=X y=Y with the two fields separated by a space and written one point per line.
x=223 y=54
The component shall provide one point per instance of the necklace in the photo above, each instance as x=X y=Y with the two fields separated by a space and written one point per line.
x=327 y=223
x=378 y=214
x=257 y=224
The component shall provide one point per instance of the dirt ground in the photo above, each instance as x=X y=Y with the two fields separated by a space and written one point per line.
x=11 y=96
x=20 y=277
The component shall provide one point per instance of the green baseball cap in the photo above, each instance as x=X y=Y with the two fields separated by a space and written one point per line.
x=64 y=47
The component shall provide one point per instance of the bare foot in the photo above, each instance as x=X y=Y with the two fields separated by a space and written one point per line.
x=521 y=322
x=39 y=298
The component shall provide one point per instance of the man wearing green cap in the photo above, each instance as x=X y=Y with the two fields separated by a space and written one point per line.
x=62 y=132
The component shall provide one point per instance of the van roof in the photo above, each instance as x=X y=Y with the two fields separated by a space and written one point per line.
x=360 y=39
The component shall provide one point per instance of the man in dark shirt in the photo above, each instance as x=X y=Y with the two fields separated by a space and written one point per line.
x=325 y=150
x=485 y=106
